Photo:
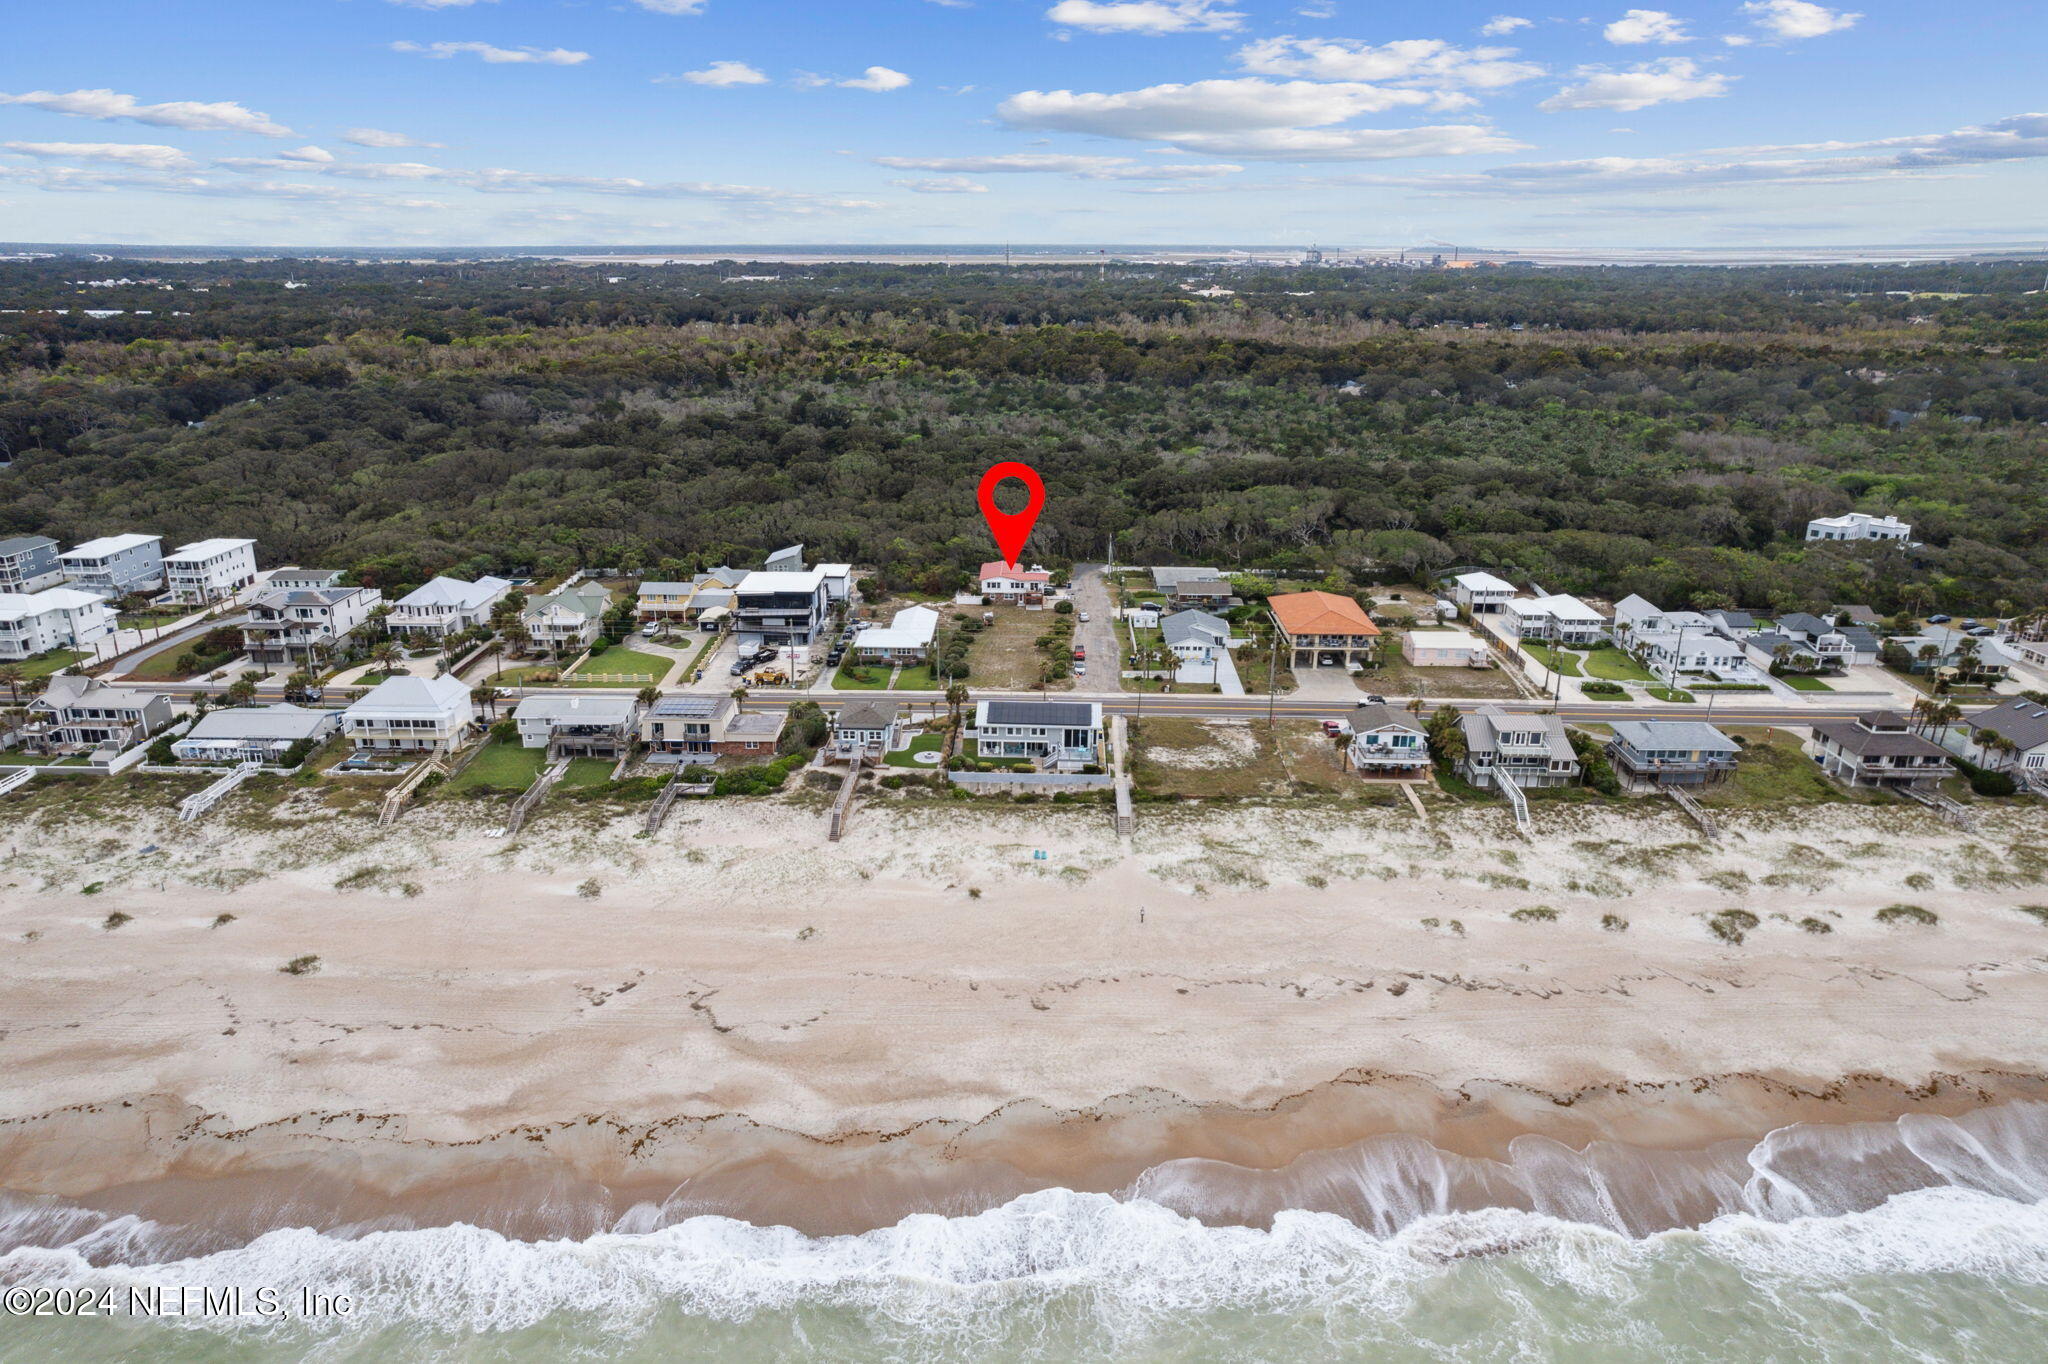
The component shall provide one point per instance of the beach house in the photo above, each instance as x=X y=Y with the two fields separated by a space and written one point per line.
x=1532 y=750
x=568 y=620
x=1559 y=618
x=1064 y=735
x=1877 y=748
x=295 y=625
x=1443 y=649
x=579 y=726
x=28 y=563
x=865 y=728
x=693 y=727
x=116 y=565
x=905 y=640
x=259 y=734
x=78 y=712
x=1658 y=753
x=208 y=571
x=1481 y=593
x=33 y=623
x=1195 y=636
x=1322 y=629
x=781 y=609
x=1388 y=742
x=1009 y=582
x=410 y=714
x=441 y=607
x=2020 y=723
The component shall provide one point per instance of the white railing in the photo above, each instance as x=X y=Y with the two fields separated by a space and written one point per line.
x=524 y=806
x=1697 y=811
x=1516 y=800
x=199 y=802
x=16 y=779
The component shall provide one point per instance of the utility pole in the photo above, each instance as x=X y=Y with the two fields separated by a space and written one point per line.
x=1272 y=677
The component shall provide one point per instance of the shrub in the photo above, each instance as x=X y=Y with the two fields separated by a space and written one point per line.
x=1064 y=608
x=1600 y=688
x=1908 y=914
x=1731 y=924
x=115 y=920
x=1614 y=923
x=1986 y=783
x=298 y=752
x=590 y=889
x=1813 y=925
x=301 y=966
x=160 y=752
x=1535 y=914
x=2039 y=912
x=221 y=920
x=505 y=732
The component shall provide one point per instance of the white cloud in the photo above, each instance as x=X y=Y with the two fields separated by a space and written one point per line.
x=877 y=79
x=1321 y=9
x=225 y=116
x=1798 y=18
x=378 y=137
x=1670 y=81
x=1500 y=25
x=1646 y=26
x=672 y=6
x=547 y=56
x=1146 y=16
x=147 y=155
x=1411 y=61
x=723 y=73
x=314 y=155
x=942 y=184
x=1056 y=163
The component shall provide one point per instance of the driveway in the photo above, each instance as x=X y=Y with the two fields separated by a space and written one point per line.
x=1099 y=634
x=1220 y=672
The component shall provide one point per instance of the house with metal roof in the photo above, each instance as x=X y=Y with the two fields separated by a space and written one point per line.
x=694 y=726
x=1559 y=617
x=208 y=571
x=1064 y=735
x=259 y=734
x=410 y=714
x=1387 y=741
x=446 y=606
x=1661 y=753
x=1195 y=635
x=906 y=639
x=578 y=726
x=1481 y=593
x=1531 y=750
x=28 y=563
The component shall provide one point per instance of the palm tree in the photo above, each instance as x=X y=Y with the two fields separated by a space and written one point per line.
x=1945 y=715
x=649 y=695
x=488 y=697
x=1988 y=741
x=956 y=701
x=241 y=691
x=1343 y=742
x=387 y=655
x=739 y=696
x=13 y=675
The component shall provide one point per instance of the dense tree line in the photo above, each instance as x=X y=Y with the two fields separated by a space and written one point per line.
x=1664 y=431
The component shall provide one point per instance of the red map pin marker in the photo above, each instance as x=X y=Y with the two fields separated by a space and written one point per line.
x=1011 y=529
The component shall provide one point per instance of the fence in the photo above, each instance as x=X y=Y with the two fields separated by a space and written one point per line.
x=610 y=679
x=1056 y=781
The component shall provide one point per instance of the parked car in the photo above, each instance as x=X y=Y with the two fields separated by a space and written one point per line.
x=1372 y=699
x=1336 y=727
x=1939 y=619
x=1080 y=652
x=649 y=631
x=1084 y=617
x=1080 y=670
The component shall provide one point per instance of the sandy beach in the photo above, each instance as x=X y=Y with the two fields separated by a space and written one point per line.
x=740 y=1017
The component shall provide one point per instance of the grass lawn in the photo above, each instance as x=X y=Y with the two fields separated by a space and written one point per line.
x=517 y=677
x=872 y=677
x=917 y=677
x=42 y=665
x=642 y=670
x=1666 y=694
x=163 y=666
x=146 y=620
x=1612 y=665
x=1175 y=756
x=1561 y=661
x=923 y=743
x=1804 y=682
x=9 y=758
x=504 y=764
x=587 y=772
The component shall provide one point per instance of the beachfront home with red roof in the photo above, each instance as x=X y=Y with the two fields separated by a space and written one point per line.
x=1008 y=582
x=1324 y=629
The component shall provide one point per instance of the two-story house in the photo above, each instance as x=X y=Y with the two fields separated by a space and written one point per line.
x=79 y=712
x=782 y=609
x=28 y=563
x=441 y=607
x=207 y=571
x=1388 y=742
x=259 y=734
x=1482 y=593
x=296 y=625
x=694 y=726
x=1322 y=629
x=116 y=565
x=1011 y=583
x=1064 y=735
x=410 y=714
x=33 y=623
x=1533 y=750
x=585 y=726
x=1560 y=618
x=1857 y=526
x=2019 y=722
x=1661 y=753
x=1877 y=748
x=569 y=620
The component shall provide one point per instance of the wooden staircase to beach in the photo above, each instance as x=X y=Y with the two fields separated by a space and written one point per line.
x=842 y=806
x=199 y=802
x=395 y=803
x=1698 y=812
x=533 y=795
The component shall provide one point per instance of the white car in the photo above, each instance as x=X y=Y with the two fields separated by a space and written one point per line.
x=1084 y=617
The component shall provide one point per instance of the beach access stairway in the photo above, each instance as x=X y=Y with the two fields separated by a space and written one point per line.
x=1119 y=741
x=394 y=804
x=534 y=794
x=199 y=802
x=1698 y=813
x=1516 y=800
x=842 y=806
x=1947 y=806
x=16 y=779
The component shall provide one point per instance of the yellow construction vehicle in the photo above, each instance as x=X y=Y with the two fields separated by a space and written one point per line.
x=771 y=677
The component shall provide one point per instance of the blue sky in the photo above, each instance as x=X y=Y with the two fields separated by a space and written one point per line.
x=423 y=122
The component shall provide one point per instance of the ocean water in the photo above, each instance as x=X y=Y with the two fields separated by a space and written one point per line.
x=1844 y=1267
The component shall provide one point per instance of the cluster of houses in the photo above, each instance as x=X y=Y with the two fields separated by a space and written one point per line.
x=781 y=604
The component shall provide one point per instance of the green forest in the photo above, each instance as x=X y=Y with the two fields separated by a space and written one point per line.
x=1667 y=431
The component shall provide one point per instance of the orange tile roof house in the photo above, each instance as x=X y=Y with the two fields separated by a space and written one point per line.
x=1324 y=630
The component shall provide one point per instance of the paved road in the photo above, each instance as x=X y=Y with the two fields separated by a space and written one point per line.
x=1099 y=635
